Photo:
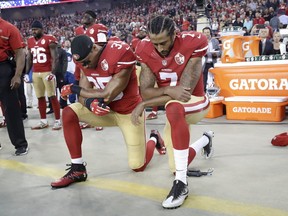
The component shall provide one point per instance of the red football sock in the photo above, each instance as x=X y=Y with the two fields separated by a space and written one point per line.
x=72 y=132
x=179 y=128
x=55 y=106
x=42 y=107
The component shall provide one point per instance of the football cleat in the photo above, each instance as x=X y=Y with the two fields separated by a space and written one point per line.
x=40 y=126
x=57 y=126
x=160 y=142
x=152 y=115
x=208 y=150
x=77 y=173
x=85 y=125
x=177 y=195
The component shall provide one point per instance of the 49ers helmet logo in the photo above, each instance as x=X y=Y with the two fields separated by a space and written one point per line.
x=179 y=59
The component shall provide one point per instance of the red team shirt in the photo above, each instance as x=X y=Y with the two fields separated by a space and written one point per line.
x=10 y=39
x=41 y=52
x=94 y=32
x=97 y=32
x=115 y=57
x=168 y=70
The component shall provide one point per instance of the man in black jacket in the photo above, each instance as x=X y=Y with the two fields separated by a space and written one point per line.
x=61 y=68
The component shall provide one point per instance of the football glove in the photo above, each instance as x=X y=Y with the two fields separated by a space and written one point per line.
x=99 y=108
x=65 y=91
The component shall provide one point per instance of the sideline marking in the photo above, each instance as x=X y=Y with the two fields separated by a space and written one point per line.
x=203 y=203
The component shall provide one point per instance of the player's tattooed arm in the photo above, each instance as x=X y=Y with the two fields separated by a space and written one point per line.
x=191 y=73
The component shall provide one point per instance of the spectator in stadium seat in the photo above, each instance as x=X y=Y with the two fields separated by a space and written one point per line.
x=265 y=46
x=258 y=19
x=275 y=22
x=278 y=46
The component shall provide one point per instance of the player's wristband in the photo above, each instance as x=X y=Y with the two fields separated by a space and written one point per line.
x=88 y=102
x=75 y=89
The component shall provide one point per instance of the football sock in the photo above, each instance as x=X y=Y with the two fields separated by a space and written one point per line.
x=72 y=132
x=181 y=164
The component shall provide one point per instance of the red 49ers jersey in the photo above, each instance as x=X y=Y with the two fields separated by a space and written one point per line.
x=168 y=70
x=97 y=32
x=134 y=43
x=117 y=55
x=41 y=52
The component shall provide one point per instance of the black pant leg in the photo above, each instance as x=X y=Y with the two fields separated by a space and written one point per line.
x=205 y=74
x=12 y=111
x=22 y=99
x=60 y=84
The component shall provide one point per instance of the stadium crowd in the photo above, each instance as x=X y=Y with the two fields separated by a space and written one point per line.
x=221 y=13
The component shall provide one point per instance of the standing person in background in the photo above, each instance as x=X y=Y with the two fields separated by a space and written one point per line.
x=29 y=90
x=174 y=61
x=265 y=46
x=97 y=32
x=69 y=76
x=61 y=68
x=213 y=52
x=42 y=54
x=278 y=46
x=12 y=61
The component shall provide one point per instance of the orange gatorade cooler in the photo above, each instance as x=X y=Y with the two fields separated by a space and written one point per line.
x=232 y=49
x=216 y=107
x=256 y=108
x=250 y=46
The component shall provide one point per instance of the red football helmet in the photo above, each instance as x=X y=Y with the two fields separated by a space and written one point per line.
x=280 y=139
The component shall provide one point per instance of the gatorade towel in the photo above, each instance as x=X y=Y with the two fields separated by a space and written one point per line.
x=251 y=46
x=232 y=49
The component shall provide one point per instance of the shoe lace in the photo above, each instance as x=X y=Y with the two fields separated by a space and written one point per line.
x=177 y=189
x=72 y=172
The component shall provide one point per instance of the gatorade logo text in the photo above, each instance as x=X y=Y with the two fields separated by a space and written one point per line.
x=245 y=46
x=258 y=84
x=265 y=110
x=227 y=45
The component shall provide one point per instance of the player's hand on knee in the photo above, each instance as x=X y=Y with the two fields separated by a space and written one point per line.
x=99 y=108
x=65 y=91
x=137 y=113
x=50 y=77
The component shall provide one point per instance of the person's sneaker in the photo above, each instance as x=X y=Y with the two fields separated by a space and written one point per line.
x=21 y=151
x=85 y=125
x=3 y=124
x=208 y=150
x=160 y=142
x=152 y=115
x=0 y=146
x=40 y=125
x=77 y=173
x=177 y=195
x=57 y=126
